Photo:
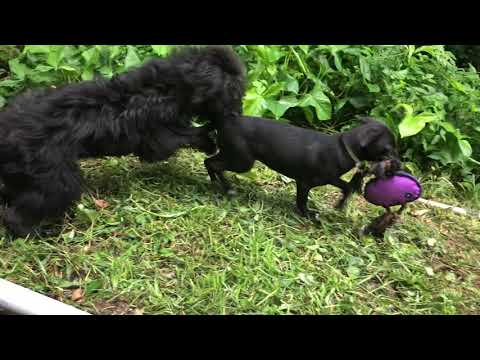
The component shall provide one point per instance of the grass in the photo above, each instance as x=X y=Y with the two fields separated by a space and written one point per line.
x=168 y=244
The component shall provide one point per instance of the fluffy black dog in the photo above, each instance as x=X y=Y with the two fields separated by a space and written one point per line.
x=146 y=112
x=308 y=156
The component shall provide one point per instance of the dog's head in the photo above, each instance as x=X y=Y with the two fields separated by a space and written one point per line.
x=375 y=141
x=213 y=81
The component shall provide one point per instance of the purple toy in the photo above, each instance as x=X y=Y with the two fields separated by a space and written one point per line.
x=399 y=189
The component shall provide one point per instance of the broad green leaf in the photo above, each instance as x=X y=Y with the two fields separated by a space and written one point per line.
x=353 y=51
x=373 y=88
x=273 y=90
x=458 y=86
x=68 y=68
x=278 y=108
x=132 y=58
x=337 y=48
x=37 y=49
x=9 y=83
x=304 y=48
x=358 y=102
x=430 y=49
x=292 y=84
x=115 y=51
x=55 y=55
x=272 y=70
x=3 y=101
x=254 y=104
x=365 y=69
x=274 y=54
x=309 y=115
x=465 y=147
x=412 y=125
x=259 y=86
x=337 y=61
x=448 y=127
x=90 y=55
x=340 y=104
x=106 y=71
x=69 y=52
x=407 y=108
x=321 y=103
x=19 y=69
x=87 y=74
x=43 y=68
x=46 y=77
x=161 y=50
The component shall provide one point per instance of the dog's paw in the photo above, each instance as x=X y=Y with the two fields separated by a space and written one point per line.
x=309 y=214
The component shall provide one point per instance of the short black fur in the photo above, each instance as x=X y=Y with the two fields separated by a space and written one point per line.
x=307 y=156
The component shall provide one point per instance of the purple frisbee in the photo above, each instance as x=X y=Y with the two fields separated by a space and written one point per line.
x=399 y=189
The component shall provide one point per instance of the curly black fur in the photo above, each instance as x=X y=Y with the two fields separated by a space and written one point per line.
x=146 y=112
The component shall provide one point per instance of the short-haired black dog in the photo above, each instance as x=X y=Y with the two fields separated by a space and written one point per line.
x=146 y=112
x=307 y=156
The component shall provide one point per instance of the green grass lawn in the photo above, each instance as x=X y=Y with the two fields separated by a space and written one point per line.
x=167 y=243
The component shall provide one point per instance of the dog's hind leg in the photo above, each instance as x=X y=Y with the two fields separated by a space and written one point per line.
x=47 y=199
x=23 y=213
x=218 y=164
x=215 y=167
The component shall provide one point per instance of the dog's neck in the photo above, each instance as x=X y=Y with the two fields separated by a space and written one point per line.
x=352 y=150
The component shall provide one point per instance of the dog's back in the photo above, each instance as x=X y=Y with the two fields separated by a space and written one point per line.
x=288 y=149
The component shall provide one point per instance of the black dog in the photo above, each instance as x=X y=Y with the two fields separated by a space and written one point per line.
x=309 y=157
x=146 y=112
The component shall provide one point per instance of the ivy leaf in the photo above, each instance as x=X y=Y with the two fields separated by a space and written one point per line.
x=55 y=55
x=36 y=49
x=20 y=70
x=304 y=48
x=132 y=58
x=365 y=69
x=161 y=50
x=254 y=104
x=465 y=147
x=412 y=124
x=320 y=102
x=278 y=108
x=292 y=84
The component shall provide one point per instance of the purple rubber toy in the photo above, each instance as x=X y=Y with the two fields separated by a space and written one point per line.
x=399 y=189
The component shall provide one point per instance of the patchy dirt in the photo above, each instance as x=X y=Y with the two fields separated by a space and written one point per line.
x=115 y=307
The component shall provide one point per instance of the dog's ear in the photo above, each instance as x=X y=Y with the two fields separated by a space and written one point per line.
x=368 y=134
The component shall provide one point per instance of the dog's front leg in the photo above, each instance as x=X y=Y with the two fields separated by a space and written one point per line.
x=302 y=199
x=346 y=192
